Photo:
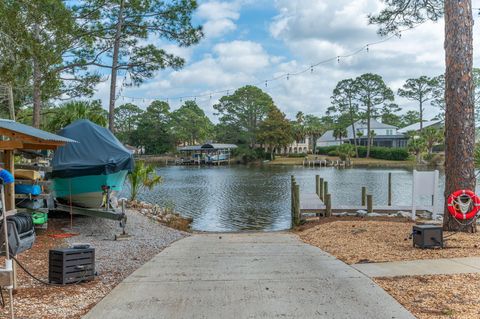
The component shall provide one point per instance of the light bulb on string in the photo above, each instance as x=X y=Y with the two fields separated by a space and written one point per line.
x=311 y=69
x=368 y=50
x=266 y=83
x=338 y=59
x=288 y=76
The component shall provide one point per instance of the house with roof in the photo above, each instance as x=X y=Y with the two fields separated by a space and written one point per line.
x=383 y=135
x=415 y=127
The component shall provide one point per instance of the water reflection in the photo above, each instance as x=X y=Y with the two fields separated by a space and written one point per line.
x=258 y=198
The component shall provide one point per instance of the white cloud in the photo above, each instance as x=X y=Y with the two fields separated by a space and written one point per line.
x=219 y=17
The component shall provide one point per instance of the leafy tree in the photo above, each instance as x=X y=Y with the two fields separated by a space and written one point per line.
x=459 y=97
x=298 y=127
x=127 y=117
x=343 y=102
x=125 y=24
x=275 y=131
x=409 y=118
x=315 y=127
x=142 y=177
x=50 y=44
x=372 y=92
x=154 y=129
x=242 y=113
x=391 y=118
x=432 y=136
x=421 y=90
x=190 y=124
x=76 y=110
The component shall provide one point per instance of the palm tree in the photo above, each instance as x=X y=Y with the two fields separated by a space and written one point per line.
x=142 y=177
x=432 y=137
x=76 y=110
x=417 y=147
x=339 y=133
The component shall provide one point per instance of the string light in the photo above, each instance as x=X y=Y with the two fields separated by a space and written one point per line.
x=364 y=48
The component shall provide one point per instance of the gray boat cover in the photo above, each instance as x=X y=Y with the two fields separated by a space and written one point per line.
x=98 y=152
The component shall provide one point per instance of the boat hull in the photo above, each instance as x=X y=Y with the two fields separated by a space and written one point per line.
x=86 y=191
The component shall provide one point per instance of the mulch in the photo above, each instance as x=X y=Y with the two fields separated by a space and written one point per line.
x=354 y=240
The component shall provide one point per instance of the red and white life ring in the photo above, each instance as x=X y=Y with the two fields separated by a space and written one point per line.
x=457 y=205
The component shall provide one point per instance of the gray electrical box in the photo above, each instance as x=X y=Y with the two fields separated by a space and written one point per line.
x=427 y=236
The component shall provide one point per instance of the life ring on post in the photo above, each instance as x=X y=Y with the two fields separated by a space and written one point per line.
x=463 y=204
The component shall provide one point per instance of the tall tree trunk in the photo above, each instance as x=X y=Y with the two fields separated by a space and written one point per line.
x=113 y=77
x=354 y=134
x=421 y=115
x=37 y=93
x=459 y=113
x=368 y=131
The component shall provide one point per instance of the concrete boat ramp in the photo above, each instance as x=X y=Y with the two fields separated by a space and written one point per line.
x=247 y=275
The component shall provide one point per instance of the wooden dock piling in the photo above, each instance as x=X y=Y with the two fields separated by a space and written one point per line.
x=364 y=196
x=296 y=212
x=325 y=188
x=369 y=203
x=389 y=201
x=317 y=185
x=328 y=205
x=321 y=189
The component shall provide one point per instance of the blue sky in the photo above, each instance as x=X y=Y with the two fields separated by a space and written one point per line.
x=248 y=41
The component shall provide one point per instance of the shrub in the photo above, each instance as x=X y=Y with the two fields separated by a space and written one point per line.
x=386 y=153
x=323 y=150
x=297 y=155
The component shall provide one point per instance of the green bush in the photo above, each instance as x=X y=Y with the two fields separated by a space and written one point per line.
x=386 y=153
x=296 y=155
x=323 y=150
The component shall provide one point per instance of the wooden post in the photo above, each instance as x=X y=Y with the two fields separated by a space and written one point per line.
x=292 y=192
x=369 y=204
x=296 y=217
x=364 y=195
x=389 y=189
x=321 y=189
x=317 y=184
x=325 y=188
x=328 y=205
x=9 y=188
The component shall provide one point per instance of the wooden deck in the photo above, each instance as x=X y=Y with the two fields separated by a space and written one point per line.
x=311 y=203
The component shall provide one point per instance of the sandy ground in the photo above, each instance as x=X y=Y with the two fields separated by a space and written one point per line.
x=114 y=261
x=431 y=297
x=357 y=240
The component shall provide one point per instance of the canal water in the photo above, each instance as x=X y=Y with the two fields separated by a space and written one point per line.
x=239 y=198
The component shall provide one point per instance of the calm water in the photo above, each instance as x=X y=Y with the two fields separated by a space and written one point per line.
x=258 y=198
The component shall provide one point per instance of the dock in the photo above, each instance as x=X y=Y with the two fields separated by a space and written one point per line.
x=319 y=203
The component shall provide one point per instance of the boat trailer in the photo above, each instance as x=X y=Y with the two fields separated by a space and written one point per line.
x=107 y=211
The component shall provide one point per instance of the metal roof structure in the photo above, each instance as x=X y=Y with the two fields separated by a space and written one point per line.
x=18 y=130
x=416 y=126
x=207 y=146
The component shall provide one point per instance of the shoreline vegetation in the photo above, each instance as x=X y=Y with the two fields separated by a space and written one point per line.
x=285 y=160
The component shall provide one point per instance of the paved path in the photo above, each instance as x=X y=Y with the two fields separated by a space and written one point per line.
x=261 y=275
x=444 y=266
